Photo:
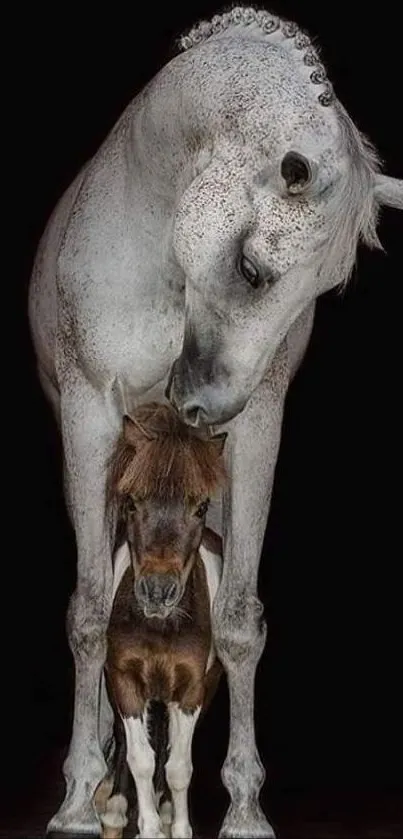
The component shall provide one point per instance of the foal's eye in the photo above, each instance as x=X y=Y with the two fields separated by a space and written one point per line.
x=129 y=504
x=249 y=271
x=202 y=509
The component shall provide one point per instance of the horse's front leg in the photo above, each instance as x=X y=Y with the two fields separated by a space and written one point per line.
x=89 y=430
x=238 y=624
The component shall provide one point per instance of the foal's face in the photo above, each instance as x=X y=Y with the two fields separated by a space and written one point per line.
x=164 y=537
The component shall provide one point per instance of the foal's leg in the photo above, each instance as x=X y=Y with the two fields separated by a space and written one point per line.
x=105 y=726
x=179 y=766
x=114 y=813
x=141 y=760
x=121 y=562
x=89 y=429
x=238 y=626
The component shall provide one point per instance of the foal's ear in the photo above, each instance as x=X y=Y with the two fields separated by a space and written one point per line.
x=219 y=441
x=133 y=432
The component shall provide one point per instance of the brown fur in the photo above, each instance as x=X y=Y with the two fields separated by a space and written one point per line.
x=158 y=456
x=147 y=660
x=166 y=471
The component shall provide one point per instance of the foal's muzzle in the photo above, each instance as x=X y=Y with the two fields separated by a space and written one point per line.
x=157 y=594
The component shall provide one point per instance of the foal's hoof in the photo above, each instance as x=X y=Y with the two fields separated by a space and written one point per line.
x=246 y=824
x=166 y=816
x=152 y=835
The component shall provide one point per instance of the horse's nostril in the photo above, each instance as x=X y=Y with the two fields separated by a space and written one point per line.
x=192 y=416
x=168 y=389
x=195 y=416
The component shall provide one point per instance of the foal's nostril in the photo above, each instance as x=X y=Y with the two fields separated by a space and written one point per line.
x=157 y=590
x=142 y=588
x=171 y=594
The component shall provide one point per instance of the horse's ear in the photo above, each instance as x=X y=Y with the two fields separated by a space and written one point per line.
x=219 y=441
x=389 y=191
x=133 y=432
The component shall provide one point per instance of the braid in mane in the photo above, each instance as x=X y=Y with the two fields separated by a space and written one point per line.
x=271 y=26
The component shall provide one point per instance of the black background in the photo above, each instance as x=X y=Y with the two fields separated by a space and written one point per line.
x=328 y=692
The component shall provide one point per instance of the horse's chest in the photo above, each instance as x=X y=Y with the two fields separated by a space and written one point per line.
x=123 y=320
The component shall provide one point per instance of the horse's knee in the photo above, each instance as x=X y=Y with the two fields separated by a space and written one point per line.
x=234 y=778
x=87 y=622
x=239 y=628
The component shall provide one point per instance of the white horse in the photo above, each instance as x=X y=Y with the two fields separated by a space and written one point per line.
x=190 y=252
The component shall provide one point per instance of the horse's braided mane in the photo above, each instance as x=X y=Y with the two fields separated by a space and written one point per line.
x=268 y=25
x=354 y=209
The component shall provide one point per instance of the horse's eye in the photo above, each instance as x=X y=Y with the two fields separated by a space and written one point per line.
x=249 y=271
x=296 y=171
x=202 y=509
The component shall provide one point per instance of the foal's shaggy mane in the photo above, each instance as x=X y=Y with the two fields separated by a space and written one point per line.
x=158 y=456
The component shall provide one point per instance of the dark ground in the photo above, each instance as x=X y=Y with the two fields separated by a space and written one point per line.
x=329 y=694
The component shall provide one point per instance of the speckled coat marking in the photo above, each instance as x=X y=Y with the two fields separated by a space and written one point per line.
x=230 y=194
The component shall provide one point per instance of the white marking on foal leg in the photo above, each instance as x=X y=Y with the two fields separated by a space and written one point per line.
x=179 y=767
x=140 y=758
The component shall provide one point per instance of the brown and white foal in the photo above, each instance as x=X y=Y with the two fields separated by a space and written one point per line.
x=160 y=649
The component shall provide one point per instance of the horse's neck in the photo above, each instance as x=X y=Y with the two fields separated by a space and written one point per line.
x=160 y=161
x=202 y=92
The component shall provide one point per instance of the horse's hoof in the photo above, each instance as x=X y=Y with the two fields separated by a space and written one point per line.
x=246 y=824
x=78 y=824
x=71 y=834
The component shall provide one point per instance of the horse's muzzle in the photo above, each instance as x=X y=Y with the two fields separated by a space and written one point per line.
x=191 y=410
x=168 y=389
x=201 y=403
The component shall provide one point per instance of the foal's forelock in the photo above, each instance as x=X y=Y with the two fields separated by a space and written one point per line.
x=169 y=461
